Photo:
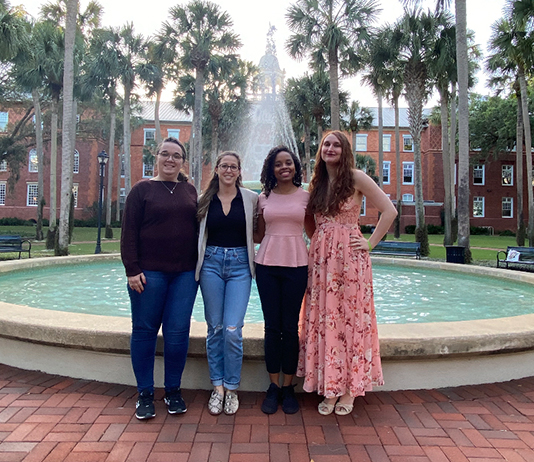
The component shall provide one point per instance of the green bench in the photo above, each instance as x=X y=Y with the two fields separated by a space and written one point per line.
x=518 y=257
x=15 y=244
x=399 y=248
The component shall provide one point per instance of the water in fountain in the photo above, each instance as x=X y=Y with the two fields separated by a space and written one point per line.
x=269 y=123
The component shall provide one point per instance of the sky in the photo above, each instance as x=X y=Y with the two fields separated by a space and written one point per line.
x=252 y=20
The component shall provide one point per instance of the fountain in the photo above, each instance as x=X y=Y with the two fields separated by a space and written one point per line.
x=269 y=121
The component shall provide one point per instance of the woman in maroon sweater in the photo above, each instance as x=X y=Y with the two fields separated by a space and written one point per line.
x=158 y=249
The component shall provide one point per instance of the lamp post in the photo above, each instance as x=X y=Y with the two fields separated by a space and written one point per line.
x=102 y=160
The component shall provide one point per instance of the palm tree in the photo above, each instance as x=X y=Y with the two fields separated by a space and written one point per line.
x=13 y=31
x=67 y=136
x=357 y=118
x=333 y=33
x=201 y=30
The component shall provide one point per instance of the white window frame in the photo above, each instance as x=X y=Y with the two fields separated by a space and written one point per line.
x=32 y=194
x=479 y=204
x=173 y=132
x=386 y=143
x=75 y=189
x=122 y=196
x=33 y=161
x=4 y=120
x=148 y=170
x=386 y=167
x=76 y=162
x=363 y=208
x=3 y=166
x=361 y=143
x=481 y=168
x=405 y=143
x=3 y=189
x=407 y=198
x=507 y=171
x=405 y=166
x=146 y=132
x=507 y=200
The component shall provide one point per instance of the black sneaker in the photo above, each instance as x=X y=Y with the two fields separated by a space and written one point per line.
x=290 y=405
x=144 y=408
x=174 y=401
x=270 y=403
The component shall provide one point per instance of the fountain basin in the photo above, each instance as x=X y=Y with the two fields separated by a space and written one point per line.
x=414 y=356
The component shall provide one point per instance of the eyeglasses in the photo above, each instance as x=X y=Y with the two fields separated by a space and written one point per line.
x=175 y=157
x=233 y=168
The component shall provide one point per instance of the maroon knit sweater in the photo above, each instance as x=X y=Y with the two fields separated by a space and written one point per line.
x=159 y=229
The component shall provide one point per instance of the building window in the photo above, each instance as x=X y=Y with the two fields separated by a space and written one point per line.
x=76 y=162
x=122 y=165
x=507 y=207
x=32 y=198
x=363 y=207
x=407 y=173
x=2 y=194
x=478 y=206
x=148 y=166
x=385 y=172
x=75 y=194
x=407 y=142
x=361 y=143
x=479 y=174
x=3 y=166
x=386 y=142
x=122 y=197
x=4 y=119
x=173 y=132
x=507 y=175
x=407 y=198
x=150 y=136
x=33 y=163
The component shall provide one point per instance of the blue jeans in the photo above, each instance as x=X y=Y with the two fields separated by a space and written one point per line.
x=225 y=282
x=167 y=301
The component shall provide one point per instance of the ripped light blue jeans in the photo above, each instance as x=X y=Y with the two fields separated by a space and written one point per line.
x=225 y=282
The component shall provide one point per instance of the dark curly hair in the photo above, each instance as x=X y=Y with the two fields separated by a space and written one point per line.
x=267 y=178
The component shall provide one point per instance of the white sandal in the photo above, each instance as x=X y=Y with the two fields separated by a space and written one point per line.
x=326 y=409
x=343 y=408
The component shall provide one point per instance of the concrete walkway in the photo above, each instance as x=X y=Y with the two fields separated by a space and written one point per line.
x=46 y=418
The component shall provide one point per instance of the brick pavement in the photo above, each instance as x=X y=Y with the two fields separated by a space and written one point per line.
x=47 y=418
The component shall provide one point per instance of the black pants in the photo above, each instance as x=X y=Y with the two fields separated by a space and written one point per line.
x=281 y=290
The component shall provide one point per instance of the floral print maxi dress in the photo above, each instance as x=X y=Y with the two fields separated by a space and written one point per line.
x=339 y=350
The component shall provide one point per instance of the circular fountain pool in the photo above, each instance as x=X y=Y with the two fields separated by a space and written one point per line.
x=402 y=294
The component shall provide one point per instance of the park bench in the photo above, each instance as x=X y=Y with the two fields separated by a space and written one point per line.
x=523 y=257
x=15 y=244
x=405 y=249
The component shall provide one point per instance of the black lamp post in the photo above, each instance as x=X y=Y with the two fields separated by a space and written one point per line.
x=102 y=160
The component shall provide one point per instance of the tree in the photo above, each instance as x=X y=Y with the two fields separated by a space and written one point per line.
x=334 y=33
x=357 y=118
x=201 y=31
x=13 y=31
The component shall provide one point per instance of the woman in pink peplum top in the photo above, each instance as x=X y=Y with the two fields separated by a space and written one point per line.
x=281 y=270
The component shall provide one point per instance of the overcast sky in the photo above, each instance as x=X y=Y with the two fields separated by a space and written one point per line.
x=252 y=18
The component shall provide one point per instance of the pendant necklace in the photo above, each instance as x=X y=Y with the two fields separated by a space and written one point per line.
x=168 y=189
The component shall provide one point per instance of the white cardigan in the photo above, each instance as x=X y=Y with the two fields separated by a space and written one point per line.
x=250 y=201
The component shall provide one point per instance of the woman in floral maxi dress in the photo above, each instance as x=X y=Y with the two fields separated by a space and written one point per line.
x=339 y=350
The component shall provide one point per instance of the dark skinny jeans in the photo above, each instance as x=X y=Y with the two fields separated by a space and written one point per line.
x=281 y=291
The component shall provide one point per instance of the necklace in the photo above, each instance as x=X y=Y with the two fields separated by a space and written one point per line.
x=168 y=189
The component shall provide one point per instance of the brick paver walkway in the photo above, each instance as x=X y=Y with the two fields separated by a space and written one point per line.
x=47 y=418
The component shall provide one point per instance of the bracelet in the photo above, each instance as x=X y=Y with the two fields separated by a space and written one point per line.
x=369 y=245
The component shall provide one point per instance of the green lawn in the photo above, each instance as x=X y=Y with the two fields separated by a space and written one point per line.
x=84 y=241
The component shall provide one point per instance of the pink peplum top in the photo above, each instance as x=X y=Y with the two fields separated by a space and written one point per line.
x=283 y=243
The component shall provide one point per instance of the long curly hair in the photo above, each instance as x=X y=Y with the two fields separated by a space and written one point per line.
x=181 y=175
x=325 y=201
x=213 y=186
x=267 y=178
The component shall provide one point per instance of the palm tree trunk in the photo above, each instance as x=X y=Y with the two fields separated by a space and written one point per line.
x=127 y=140
x=447 y=239
x=398 y=166
x=307 y=148
x=51 y=235
x=197 y=157
x=119 y=182
x=214 y=139
x=111 y=163
x=66 y=147
x=528 y=152
x=463 y=128
x=334 y=88
x=520 y=234
x=40 y=162
x=156 y=116
x=380 y=142
x=452 y=149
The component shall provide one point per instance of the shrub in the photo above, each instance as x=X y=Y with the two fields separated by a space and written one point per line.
x=365 y=229
x=435 y=229
x=15 y=222
x=506 y=232
x=480 y=231
x=410 y=229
